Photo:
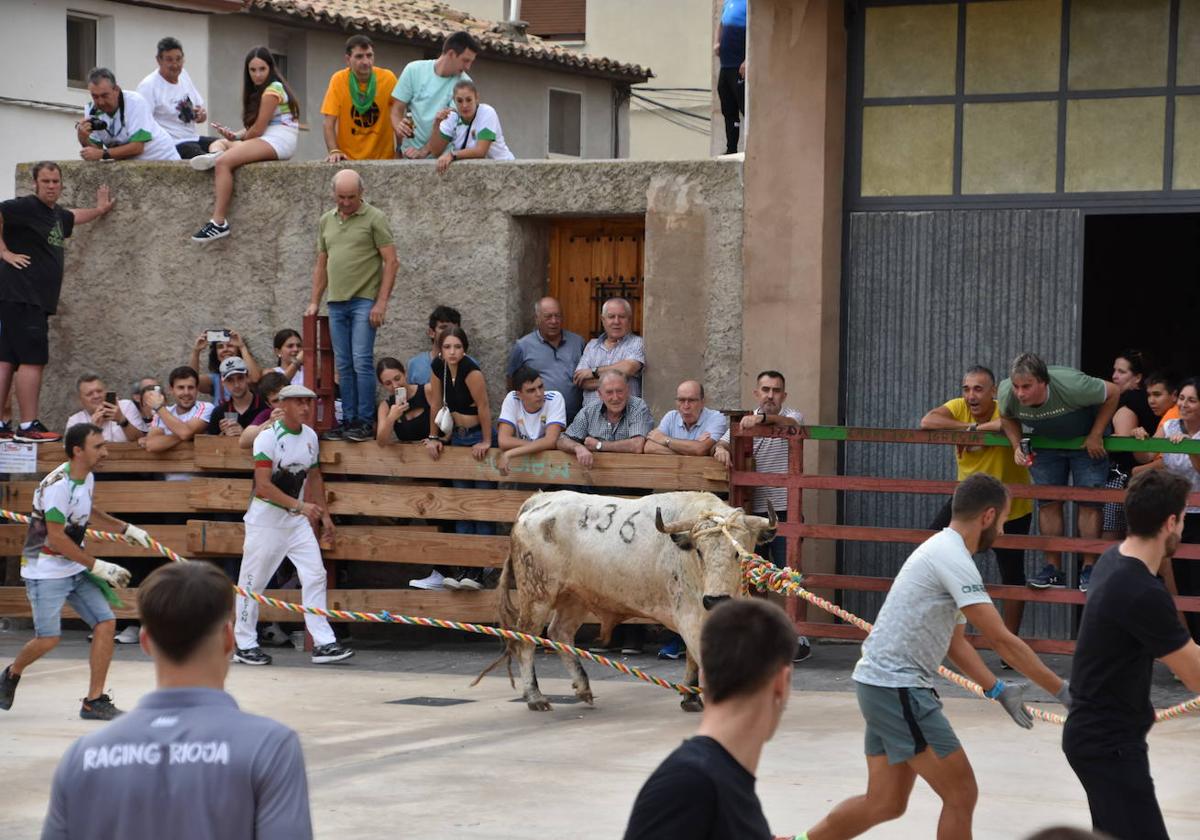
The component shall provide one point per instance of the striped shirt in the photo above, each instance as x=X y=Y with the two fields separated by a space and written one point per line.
x=592 y=421
x=771 y=456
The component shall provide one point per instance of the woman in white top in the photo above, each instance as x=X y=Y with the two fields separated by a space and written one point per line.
x=271 y=116
x=470 y=132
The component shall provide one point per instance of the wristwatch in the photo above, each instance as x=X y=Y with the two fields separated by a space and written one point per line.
x=595 y=373
x=106 y=155
x=297 y=510
x=599 y=445
x=972 y=427
x=122 y=423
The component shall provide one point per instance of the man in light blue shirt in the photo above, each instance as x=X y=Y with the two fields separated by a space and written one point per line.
x=425 y=89
x=689 y=429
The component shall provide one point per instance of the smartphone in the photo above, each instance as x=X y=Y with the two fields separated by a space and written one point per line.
x=111 y=398
x=218 y=335
x=231 y=416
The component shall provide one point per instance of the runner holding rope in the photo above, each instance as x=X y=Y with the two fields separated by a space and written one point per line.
x=923 y=619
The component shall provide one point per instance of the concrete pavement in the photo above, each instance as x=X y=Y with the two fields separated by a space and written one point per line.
x=489 y=768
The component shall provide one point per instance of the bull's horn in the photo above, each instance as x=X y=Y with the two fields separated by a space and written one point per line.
x=772 y=519
x=673 y=528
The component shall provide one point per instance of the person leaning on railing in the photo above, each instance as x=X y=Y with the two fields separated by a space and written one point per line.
x=404 y=416
x=1134 y=418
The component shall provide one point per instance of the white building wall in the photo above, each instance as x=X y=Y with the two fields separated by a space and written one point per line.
x=33 y=66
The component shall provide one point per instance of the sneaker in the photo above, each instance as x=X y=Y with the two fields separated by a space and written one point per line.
x=1004 y=666
x=602 y=648
x=434 y=581
x=450 y=582
x=211 y=231
x=471 y=581
x=360 y=433
x=8 y=689
x=673 y=649
x=1085 y=577
x=99 y=708
x=334 y=433
x=35 y=432
x=128 y=636
x=6 y=430
x=274 y=635
x=803 y=649
x=631 y=650
x=1048 y=578
x=251 y=656
x=332 y=652
x=202 y=163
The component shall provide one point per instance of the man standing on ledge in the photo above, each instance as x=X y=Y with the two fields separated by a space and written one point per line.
x=356 y=107
x=33 y=231
x=1129 y=621
x=356 y=260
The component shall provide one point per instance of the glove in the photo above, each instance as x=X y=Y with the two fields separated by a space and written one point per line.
x=1064 y=695
x=1012 y=697
x=137 y=535
x=111 y=573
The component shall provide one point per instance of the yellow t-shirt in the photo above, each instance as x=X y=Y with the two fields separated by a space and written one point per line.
x=996 y=461
x=366 y=136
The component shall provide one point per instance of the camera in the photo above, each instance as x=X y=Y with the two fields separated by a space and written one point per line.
x=96 y=123
x=187 y=113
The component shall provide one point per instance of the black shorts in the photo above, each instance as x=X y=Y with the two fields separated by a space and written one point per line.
x=24 y=334
x=189 y=149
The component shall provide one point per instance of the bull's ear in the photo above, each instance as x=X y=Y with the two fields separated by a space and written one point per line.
x=683 y=540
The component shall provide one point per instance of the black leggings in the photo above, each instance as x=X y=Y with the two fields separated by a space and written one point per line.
x=731 y=90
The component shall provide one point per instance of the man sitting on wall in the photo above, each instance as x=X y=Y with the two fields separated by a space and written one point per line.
x=175 y=102
x=185 y=419
x=424 y=93
x=356 y=106
x=116 y=419
x=119 y=124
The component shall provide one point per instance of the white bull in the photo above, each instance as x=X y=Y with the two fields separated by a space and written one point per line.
x=574 y=553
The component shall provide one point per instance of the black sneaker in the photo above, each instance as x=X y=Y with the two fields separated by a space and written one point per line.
x=360 y=433
x=332 y=652
x=334 y=433
x=803 y=649
x=99 y=708
x=6 y=430
x=35 y=433
x=1048 y=578
x=211 y=231
x=251 y=656
x=8 y=689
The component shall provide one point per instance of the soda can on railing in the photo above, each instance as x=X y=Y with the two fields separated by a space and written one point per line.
x=1027 y=449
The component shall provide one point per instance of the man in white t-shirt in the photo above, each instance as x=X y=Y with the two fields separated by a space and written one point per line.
x=119 y=124
x=58 y=571
x=119 y=420
x=174 y=100
x=531 y=418
x=922 y=622
x=470 y=132
x=280 y=523
x=185 y=419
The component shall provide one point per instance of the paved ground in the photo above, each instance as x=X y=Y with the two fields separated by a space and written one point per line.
x=488 y=768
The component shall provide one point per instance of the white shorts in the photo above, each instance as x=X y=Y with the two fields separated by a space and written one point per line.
x=282 y=138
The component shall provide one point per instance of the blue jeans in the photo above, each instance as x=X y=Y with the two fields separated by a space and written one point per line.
x=470 y=438
x=354 y=354
x=47 y=596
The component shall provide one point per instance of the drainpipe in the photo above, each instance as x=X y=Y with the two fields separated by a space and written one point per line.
x=514 y=11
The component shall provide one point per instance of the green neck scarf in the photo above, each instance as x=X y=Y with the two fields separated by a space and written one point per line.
x=362 y=100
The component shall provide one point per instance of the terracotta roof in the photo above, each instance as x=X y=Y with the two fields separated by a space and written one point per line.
x=430 y=22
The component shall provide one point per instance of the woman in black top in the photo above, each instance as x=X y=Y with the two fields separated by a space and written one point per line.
x=404 y=415
x=1133 y=414
x=458 y=382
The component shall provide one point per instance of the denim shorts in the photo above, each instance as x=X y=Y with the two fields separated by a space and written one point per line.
x=902 y=722
x=1055 y=466
x=48 y=595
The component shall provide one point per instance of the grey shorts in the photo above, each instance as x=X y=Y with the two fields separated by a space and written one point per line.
x=48 y=595
x=902 y=722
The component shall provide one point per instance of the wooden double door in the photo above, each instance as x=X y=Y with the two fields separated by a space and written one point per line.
x=592 y=260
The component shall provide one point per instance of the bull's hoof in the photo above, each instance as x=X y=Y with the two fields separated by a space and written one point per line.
x=586 y=697
x=538 y=704
x=692 y=703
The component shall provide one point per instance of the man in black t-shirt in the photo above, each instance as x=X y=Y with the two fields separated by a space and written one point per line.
x=705 y=788
x=1129 y=621
x=243 y=400
x=33 y=230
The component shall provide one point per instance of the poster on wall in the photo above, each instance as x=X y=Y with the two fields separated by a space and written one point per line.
x=18 y=457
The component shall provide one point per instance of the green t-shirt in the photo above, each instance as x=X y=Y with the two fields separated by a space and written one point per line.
x=425 y=93
x=1070 y=407
x=352 y=245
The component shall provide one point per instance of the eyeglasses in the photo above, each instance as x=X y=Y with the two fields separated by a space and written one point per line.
x=687 y=399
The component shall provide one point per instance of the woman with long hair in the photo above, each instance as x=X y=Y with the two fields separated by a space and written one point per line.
x=289 y=355
x=1134 y=418
x=271 y=120
x=404 y=416
x=219 y=351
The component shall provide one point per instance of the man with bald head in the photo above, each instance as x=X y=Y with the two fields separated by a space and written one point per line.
x=690 y=428
x=551 y=351
x=356 y=262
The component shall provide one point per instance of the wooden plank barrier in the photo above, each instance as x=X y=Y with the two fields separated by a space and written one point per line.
x=365 y=484
x=743 y=480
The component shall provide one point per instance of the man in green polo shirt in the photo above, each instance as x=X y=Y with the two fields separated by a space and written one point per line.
x=356 y=260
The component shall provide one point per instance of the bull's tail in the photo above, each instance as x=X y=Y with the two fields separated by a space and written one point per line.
x=508 y=621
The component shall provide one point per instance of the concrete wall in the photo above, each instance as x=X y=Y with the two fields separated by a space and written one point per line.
x=137 y=291
x=33 y=66
x=519 y=92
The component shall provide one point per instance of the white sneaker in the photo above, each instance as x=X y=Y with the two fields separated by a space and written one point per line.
x=451 y=583
x=202 y=162
x=434 y=581
x=274 y=635
x=470 y=583
x=128 y=636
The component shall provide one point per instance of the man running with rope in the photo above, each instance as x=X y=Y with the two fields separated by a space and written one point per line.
x=923 y=620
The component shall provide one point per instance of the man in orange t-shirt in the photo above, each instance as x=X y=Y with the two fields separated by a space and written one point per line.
x=356 y=107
